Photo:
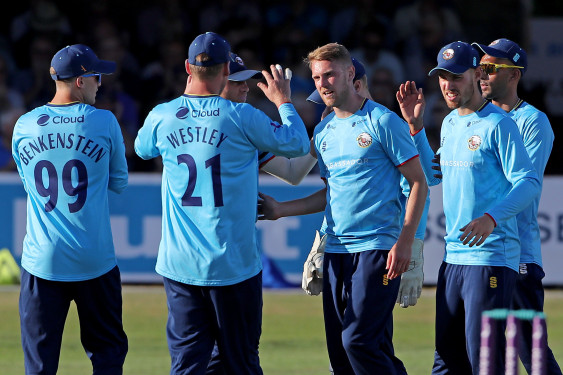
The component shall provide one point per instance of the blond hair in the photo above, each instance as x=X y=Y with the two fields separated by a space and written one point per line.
x=205 y=72
x=329 y=52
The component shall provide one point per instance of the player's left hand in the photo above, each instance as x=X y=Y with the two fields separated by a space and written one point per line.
x=312 y=281
x=276 y=88
x=437 y=167
x=477 y=231
x=411 y=281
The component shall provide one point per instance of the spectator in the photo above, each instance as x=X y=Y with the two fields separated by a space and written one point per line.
x=34 y=83
x=373 y=53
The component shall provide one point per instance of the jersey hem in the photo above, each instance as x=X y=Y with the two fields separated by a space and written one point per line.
x=483 y=264
x=197 y=282
x=52 y=277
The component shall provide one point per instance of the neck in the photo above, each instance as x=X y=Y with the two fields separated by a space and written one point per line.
x=473 y=106
x=212 y=86
x=64 y=96
x=507 y=103
x=350 y=107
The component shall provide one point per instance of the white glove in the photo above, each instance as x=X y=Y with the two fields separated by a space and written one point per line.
x=312 y=282
x=411 y=281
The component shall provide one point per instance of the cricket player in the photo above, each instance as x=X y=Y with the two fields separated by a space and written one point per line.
x=289 y=170
x=69 y=154
x=411 y=281
x=363 y=149
x=208 y=255
x=503 y=63
x=488 y=179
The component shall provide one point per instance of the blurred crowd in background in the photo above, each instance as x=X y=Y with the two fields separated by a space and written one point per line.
x=395 y=40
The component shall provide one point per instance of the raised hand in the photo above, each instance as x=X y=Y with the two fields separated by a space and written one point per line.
x=412 y=104
x=276 y=88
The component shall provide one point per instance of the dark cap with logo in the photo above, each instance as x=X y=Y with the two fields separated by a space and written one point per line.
x=239 y=72
x=76 y=60
x=456 y=58
x=213 y=45
x=506 y=49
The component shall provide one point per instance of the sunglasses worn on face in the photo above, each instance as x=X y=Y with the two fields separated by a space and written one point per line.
x=491 y=68
x=97 y=75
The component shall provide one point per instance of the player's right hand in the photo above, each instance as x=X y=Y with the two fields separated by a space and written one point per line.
x=276 y=88
x=412 y=104
x=268 y=208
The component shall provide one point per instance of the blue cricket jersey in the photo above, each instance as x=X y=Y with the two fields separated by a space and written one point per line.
x=358 y=157
x=209 y=148
x=68 y=156
x=485 y=169
x=538 y=139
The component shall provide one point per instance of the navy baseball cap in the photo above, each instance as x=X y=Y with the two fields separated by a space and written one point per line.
x=239 y=72
x=456 y=58
x=76 y=60
x=505 y=49
x=217 y=48
x=315 y=97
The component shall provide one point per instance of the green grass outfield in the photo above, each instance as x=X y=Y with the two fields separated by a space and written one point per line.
x=292 y=338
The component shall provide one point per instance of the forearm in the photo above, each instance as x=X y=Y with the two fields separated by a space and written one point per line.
x=426 y=155
x=517 y=199
x=414 y=209
x=292 y=170
x=311 y=204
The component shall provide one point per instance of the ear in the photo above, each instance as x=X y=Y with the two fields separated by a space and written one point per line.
x=516 y=74
x=478 y=73
x=79 y=82
x=357 y=85
x=187 y=67
x=226 y=69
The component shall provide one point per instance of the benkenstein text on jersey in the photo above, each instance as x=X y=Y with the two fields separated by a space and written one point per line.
x=54 y=141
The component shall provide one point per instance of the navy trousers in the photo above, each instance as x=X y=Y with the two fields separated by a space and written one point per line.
x=462 y=294
x=358 y=302
x=529 y=295
x=226 y=317
x=44 y=307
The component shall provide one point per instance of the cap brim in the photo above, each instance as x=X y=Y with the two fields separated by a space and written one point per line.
x=105 y=67
x=315 y=97
x=243 y=75
x=491 y=51
x=452 y=68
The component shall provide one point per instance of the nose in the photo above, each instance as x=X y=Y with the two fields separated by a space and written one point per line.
x=321 y=82
x=484 y=75
x=244 y=87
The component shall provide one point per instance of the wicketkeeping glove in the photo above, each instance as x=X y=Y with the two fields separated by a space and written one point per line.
x=312 y=282
x=411 y=281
